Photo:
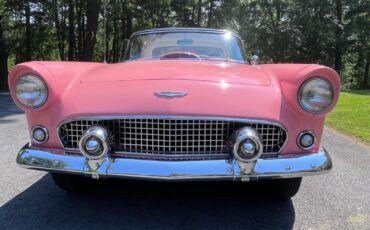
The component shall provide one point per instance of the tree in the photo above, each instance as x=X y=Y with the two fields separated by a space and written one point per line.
x=3 y=50
x=28 y=30
x=199 y=13
x=210 y=13
x=71 y=30
x=330 y=32
x=338 y=35
x=59 y=17
x=80 y=15
x=92 y=13
x=358 y=29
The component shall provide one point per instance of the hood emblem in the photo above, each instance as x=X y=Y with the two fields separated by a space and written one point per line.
x=169 y=94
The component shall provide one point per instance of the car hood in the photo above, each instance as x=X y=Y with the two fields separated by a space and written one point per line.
x=211 y=71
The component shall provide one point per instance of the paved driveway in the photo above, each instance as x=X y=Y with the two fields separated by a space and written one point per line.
x=30 y=200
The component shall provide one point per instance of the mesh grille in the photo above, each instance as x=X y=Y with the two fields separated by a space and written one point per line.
x=172 y=137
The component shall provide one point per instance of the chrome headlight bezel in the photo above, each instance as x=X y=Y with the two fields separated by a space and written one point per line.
x=39 y=86
x=305 y=105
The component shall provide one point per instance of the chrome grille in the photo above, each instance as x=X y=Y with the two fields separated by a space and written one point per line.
x=173 y=137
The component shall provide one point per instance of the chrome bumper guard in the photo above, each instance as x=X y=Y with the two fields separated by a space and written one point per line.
x=277 y=167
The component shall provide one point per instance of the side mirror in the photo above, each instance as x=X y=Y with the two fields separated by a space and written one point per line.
x=254 y=60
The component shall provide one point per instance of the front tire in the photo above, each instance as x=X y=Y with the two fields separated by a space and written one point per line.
x=71 y=183
x=284 y=188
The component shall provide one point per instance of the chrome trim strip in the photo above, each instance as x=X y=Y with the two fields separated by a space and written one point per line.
x=230 y=119
x=278 y=167
x=168 y=156
x=190 y=30
x=170 y=94
x=184 y=29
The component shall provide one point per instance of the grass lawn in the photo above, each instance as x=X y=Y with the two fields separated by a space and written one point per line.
x=352 y=115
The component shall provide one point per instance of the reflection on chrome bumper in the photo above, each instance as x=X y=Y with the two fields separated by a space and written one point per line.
x=282 y=167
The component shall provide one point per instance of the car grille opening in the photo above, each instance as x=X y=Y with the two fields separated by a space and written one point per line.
x=173 y=138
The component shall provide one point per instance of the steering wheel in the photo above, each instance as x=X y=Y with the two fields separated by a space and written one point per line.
x=179 y=55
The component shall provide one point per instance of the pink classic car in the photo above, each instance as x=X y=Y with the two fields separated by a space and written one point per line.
x=183 y=105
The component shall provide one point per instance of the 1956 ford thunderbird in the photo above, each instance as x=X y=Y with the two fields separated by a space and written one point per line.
x=184 y=105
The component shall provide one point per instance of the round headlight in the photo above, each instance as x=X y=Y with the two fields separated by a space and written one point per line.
x=31 y=91
x=316 y=95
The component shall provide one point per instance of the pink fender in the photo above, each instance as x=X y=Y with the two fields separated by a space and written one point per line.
x=217 y=89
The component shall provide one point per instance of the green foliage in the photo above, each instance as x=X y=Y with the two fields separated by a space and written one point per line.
x=330 y=32
x=351 y=115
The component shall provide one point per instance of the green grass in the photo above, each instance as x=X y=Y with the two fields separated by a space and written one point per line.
x=352 y=115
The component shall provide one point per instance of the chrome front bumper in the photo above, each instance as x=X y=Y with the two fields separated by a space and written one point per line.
x=282 y=167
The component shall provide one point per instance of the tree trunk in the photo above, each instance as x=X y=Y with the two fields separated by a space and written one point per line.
x=3 y=61
x=63 y=30
x=210 y=13
x=274 y=27
x=59 y=31
x=199 y=13
x=366 y=74
x=115 y=41
x=92 y=15
x=3 y=69
x=71 y=31
x=28 y=56
x=126 y=22
x=128 y=26
x=39 y=40
x=338 y=37
x=80 y=29
x=359 y=67
x=193 y=21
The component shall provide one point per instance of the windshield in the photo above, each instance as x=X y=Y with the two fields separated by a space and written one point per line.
x=199 y=45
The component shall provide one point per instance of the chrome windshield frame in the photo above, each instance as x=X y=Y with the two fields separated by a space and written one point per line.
x=187 y=30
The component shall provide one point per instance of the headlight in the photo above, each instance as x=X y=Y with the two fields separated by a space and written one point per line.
x=316 y=95
x=31 y=91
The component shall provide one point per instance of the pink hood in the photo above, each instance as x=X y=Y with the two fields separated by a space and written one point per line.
x=210 y=71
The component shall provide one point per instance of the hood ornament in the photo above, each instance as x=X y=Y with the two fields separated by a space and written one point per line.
x=169 y=94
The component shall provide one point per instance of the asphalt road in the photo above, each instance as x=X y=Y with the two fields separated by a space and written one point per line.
x=30 y=200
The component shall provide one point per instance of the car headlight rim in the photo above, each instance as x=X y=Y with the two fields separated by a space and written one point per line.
x=301 y=99
x=43 y=88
